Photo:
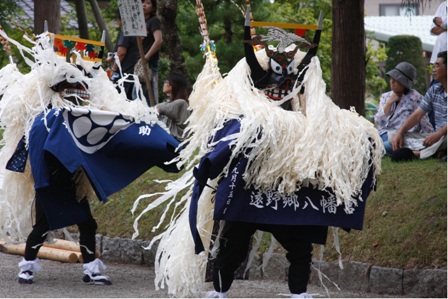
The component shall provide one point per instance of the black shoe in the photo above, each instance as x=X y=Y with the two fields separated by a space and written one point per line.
x=402 y=154
x=26 y=277
x=97 y=279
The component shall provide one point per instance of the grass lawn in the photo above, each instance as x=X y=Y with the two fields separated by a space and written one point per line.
x=405 y=223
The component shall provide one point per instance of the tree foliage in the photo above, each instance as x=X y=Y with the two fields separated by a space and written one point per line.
x=375 y=83
x=10 y=18
x=225 y=24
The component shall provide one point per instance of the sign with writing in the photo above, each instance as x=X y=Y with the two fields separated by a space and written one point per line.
x=132 y=16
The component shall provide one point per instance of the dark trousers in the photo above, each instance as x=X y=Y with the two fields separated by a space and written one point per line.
x=87 y=231
x=235 y=240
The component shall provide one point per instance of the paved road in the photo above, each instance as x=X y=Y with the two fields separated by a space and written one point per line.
x=57 y=280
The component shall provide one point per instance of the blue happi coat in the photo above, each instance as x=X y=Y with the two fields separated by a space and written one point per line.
x=112 y=149
x=234 y=202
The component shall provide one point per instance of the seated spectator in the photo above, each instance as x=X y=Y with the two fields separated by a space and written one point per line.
x=438 y=28
x=407 y=145
x=176 y=109
x=398 y=104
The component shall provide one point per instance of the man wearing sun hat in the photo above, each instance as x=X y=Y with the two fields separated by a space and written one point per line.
x=396 y=105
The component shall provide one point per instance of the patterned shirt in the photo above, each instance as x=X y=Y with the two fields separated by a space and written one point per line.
x=400 y=112
x=435 y=100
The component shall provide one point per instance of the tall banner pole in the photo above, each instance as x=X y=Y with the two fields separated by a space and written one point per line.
x=133 y=19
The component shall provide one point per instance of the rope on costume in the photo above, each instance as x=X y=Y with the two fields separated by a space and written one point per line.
x=336 y=245
x=268 y=254
x=320 y=274
x=258 y=238
x=176 y=264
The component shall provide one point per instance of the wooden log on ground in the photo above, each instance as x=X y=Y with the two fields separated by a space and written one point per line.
x=68 y=245
x=54 y=254
x=64 y=244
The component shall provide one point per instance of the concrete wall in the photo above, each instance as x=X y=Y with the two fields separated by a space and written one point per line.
x=372 y=7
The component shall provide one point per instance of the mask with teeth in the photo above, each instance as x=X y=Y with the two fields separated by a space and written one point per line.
x=75 y=92
x=279 y=79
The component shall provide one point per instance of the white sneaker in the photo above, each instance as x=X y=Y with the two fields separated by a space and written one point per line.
x=215 y=294
x=301 y=295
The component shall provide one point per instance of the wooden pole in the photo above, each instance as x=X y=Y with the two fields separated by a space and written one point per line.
x=59 y=255
x=146 y=71
x=61 y=250
x=83 y=26
x=63 y=244
x=67 y=245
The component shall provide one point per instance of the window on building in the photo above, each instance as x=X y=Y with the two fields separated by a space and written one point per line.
x=398 y=10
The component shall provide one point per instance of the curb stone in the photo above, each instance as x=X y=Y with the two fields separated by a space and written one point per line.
x=355 y=276
x=385 y=281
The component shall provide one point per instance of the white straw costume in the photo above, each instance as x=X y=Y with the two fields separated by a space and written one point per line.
x=321 y=146
x=24 y=97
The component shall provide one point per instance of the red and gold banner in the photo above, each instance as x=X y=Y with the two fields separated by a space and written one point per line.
x=89 y=49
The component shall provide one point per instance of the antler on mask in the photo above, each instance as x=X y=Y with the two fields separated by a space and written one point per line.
x=259 y=76
x=312 y=51
x=280 y=74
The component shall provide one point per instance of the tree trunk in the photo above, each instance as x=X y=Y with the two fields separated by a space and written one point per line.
x=349 y=55
x=82 y=19
x=50 y=11
x=228 y=33
x=101 y=24
x=171 y=43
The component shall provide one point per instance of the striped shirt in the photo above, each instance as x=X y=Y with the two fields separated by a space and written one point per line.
x=435 y=100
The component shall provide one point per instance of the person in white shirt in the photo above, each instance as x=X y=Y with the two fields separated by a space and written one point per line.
x=438 y=28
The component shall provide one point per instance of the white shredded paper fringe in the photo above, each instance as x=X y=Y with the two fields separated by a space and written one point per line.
x=25 y=96
x=317 y=145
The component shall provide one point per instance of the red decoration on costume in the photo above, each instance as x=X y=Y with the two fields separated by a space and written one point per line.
x=63 y=50
x=92 y=54
x=58 y=44
x=300 y=32
x=80 y=46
